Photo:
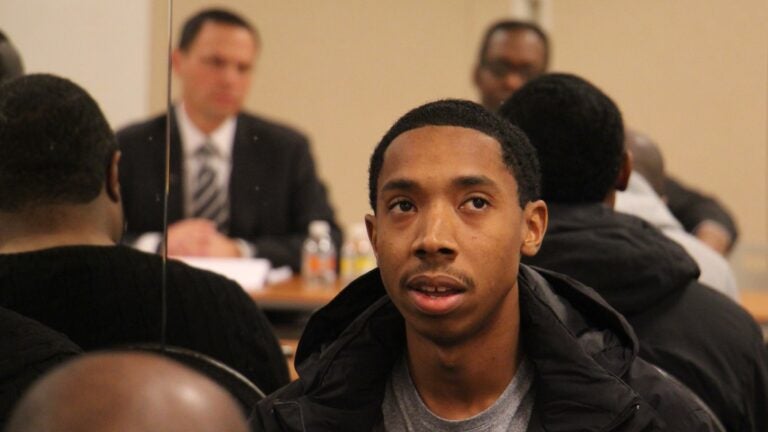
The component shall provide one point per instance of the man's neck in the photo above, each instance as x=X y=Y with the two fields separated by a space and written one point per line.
x=50 y=227
x=460 y=381
x=205 y=124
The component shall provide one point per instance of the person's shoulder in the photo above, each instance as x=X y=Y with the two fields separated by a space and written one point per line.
x=716 y=272
x=139 y=130
x=28 y=349
x=674 y=403
x=270 y=129
x=719 y=308
x=29 y=339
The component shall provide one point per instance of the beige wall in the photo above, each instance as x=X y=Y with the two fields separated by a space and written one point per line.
x=691 y=73
x=101 y=45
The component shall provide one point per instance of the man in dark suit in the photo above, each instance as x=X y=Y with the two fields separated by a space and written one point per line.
x=240 y=185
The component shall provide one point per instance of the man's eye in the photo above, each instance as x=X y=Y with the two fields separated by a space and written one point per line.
x=477 y=203
x=214 y=62
x=402 y=206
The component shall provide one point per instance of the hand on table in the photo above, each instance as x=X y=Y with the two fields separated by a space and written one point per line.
x=714 y=235
x=199 y=237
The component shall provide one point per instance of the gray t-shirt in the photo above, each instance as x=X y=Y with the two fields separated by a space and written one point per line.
x=403 y=409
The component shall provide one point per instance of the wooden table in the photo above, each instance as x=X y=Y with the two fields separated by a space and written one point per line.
x=294 y=294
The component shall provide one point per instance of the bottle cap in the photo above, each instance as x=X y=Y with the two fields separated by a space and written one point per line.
x=319 y=228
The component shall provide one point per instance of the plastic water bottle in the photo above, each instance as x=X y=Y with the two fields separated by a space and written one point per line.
x=318 y=264
x=357 y=255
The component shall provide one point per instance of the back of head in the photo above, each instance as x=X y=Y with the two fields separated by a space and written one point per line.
x=55 y=144
x=194 y=24
x=11 y=65
x=516 y=151
x=577 y=132
x=133 y=392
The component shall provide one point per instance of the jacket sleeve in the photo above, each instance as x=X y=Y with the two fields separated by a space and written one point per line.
x=691 y=208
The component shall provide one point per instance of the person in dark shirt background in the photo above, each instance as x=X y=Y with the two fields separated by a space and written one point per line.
x=691 y=331
x=60 y=221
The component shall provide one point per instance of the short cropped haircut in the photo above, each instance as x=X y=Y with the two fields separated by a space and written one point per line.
x=194 y=24
x=577 y=131
x=513 y=25
x=517 y=153
x=55 y=144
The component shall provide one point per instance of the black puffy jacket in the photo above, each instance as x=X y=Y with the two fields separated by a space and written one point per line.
x=691 y=331
x=587 y=376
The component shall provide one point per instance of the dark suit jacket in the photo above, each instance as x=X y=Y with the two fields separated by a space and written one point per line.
x=274 y=191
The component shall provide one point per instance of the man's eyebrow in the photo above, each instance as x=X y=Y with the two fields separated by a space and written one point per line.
x=474 y=180
x=399 y=184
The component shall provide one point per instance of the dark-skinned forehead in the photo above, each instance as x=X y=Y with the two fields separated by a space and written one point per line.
x=405 y=184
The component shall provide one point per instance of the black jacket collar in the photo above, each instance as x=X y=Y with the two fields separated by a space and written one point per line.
x=349 y=347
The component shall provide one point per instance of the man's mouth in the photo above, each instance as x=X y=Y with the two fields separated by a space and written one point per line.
x=435 y=294
x=437 y=291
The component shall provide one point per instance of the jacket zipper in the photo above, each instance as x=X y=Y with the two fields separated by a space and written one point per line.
x=625 y=415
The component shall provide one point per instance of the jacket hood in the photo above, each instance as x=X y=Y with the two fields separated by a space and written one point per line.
x=578 y=344
x=626 y=260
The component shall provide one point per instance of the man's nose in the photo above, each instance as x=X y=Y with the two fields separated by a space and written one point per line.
x=436 y=237
x=513 y=81
x=230 y=74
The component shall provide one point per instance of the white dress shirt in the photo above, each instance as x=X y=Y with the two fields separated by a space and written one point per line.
x=192 y=138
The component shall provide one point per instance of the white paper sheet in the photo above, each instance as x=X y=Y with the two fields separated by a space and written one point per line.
x=250 y=273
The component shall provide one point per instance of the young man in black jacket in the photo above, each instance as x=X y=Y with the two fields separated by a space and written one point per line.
x=451 y=333
x=693 y=332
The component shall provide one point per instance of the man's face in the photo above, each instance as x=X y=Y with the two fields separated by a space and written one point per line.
x=215 y=71
x=512 y=58
x=448 y=232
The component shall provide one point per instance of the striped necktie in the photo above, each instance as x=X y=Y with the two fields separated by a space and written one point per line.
x=209 y=201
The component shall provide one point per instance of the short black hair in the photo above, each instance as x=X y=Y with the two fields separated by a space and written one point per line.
x=513 y=25
x=517 y=153
x=577 y=131
x=55 y=144
x=194 y=24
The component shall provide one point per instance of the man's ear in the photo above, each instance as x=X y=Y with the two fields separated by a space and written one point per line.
x=622 y=181
x=476 y=75
x=176 y=60
x=370 y=226
x=535 y=218
x=113 y=177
